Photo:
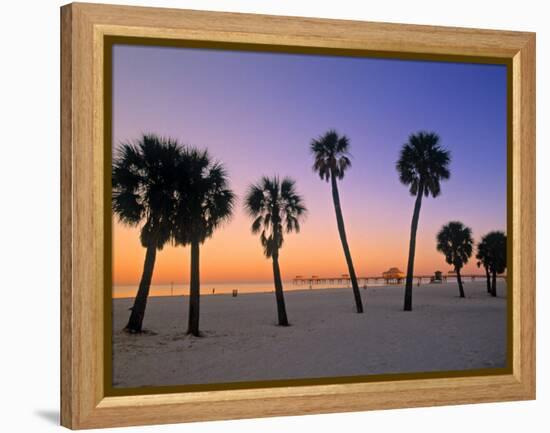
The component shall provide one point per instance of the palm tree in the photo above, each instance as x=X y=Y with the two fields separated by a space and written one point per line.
x=455 y=241
x=496 y=256
x=276 y=208
x=332 y=159
x=143 y=175
x=422 y=164
x=204 y=202
x=482 y=257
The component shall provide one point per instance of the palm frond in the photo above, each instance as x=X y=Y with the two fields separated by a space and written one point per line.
x=204 y=199
x=276 y=208
x=455 y=241
x=331 y=155
x=143 y=175
x=423 y=162
x=492 y=251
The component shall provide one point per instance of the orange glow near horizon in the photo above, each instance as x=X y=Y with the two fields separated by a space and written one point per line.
x=233 y=254
x=257 y=114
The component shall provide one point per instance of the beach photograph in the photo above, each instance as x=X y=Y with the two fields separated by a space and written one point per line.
x=281 y=217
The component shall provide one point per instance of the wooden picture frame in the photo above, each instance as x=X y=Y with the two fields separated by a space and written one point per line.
x=84 y=28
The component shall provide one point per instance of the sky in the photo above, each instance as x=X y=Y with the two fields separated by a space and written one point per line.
x=258 y=112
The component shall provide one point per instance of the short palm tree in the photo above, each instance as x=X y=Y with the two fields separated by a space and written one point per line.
x=143 y=175
x=332 y=159
x=204 y=202
x=455 y=241
x=422 y=165
x=483 y=259
x=495 y=245
x=276 y=209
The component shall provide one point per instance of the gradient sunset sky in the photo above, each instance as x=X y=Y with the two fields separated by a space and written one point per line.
x=257 y=113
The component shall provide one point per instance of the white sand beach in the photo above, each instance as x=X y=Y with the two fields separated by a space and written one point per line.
x=327 y=338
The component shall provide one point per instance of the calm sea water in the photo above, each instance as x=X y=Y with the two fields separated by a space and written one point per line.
x=128 y=291
x=179 y=289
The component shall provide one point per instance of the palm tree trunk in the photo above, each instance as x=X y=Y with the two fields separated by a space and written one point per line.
x=279 y=294
x=345 y=246
x=460 y=287
x=412 y=248
x=135 y=322
x=194 y=290
x=494 y=288
x=488 y=276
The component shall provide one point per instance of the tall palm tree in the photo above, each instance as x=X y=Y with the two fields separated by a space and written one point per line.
x=496 y=256
x=143 y=175
x=332 y=159
x=204 y=202
x=455 y=241
x=483 y=259
x=422 y=164
x=277 y=209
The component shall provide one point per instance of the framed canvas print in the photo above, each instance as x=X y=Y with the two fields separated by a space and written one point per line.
x=272 y=216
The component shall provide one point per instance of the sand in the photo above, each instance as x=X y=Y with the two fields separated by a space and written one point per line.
x=326 y=338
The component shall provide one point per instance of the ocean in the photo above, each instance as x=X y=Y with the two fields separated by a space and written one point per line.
x=207 y=288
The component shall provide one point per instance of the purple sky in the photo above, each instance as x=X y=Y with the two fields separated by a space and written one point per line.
x=257 y=112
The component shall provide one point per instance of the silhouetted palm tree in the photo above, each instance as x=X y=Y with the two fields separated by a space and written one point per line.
x=422 y=164
x=482 y=257
x=332 y=159
x=143 y=177
x=496 y=256
x=204 y=203
x=455 y=241
x=276 y=208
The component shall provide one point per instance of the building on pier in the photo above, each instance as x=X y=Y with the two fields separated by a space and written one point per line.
x=393 y=276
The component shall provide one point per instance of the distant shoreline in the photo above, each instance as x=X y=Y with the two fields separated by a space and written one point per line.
x=186 y=295
x=246 y=288
x=288 y=287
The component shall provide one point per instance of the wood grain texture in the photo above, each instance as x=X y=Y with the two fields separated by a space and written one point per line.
x=84 y=26
x=67 y=389
x=524 y=179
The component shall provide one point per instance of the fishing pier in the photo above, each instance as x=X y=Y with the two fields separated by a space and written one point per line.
x=316 y=280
